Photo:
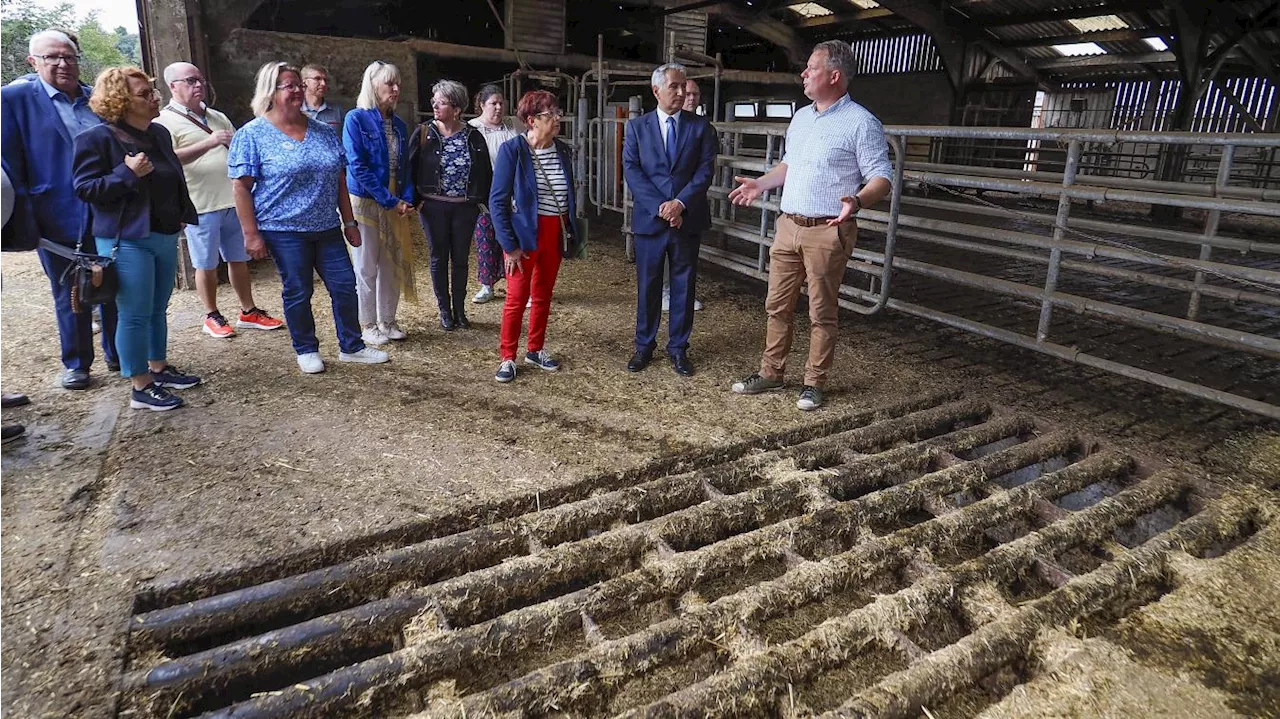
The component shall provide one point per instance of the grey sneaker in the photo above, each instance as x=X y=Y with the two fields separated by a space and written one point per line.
x=755 y=384
x=810 y=398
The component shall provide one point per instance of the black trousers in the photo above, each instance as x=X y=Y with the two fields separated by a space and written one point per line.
x=450 y=227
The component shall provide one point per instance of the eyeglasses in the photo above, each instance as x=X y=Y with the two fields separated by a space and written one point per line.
x=59 y=59
x=441 y=103
x=553 y=114
x=316 y=78
x=289 y=87
x=147 y=94
x=192 y=81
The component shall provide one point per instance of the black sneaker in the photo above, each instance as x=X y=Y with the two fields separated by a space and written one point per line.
x=12 y=432
x=155 y=398
x=170 y=377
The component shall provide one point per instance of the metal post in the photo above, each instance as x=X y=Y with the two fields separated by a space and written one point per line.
x=601 y=76
x=1211 y=226
x=633 y=111
x=761 y=254
x=671 y=46
x=1059 y=233
x=580 y=139
x=715 y=103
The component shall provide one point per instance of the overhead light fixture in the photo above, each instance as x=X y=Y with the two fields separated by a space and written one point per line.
x=1157 y=44
x=1098 y=23
x=809 y=9
x=1077 y=49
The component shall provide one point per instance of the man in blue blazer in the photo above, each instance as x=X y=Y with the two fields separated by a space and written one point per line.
x=668 y=158
x=40 y=121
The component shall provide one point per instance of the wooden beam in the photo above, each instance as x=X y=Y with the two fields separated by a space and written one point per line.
x=766 y=28
x=1102 y=36
x=1060 y=63
x=846 y=18
x=1106 y=8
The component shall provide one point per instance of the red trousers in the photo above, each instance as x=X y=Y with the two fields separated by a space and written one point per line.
x=537 y=279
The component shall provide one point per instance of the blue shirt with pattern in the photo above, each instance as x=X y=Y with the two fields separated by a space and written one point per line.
x=295 y=183
x=455 y=165
x=829 y=155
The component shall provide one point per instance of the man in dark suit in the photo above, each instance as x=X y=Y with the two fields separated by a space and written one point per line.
x=669 y=159
x=40 y=121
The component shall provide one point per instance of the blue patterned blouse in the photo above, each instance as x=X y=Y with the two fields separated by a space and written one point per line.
x=455 y=165
x=296 y=183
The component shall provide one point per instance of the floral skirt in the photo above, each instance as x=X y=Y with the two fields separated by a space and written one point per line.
x=488 y=252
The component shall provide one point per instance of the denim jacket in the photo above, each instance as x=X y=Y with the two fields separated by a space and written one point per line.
x=513 y=201
x=368 y=165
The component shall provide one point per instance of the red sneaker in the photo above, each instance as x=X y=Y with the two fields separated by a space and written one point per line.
x=257 y=319
x=215 y=325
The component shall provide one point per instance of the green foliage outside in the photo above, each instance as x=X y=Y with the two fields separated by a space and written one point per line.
x=20 y=19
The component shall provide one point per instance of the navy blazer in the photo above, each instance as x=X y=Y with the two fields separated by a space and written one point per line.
x=653 y=180
x=120 y=202
x=368 y=165
x=37 y=151
x=513 y=200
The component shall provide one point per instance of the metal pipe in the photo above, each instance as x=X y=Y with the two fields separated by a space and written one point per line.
x=1088 y=135
x=1147 y=231
x=715 y=107
x=1179 y=188
x=1210 y=229
x=1055 y=254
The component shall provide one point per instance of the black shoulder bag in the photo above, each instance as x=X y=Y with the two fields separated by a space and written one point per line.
x=571 y=246
x=92 y=276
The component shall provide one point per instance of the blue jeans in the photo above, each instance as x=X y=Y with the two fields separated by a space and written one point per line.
x=146 y=269
x=75 y=331
x=297 y=256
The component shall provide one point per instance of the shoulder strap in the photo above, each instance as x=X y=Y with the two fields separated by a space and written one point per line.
x=190 y=118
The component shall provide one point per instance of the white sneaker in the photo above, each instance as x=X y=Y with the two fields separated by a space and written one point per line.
x=368 y=355
x=391 y=331
x=529 y=303
x=697 y=304
x=373 y=336
x=666 y=301
x=310 y=363
x=484 y=295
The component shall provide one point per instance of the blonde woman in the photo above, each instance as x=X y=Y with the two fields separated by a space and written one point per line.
x=128 y=174
x=490 y=107
x=289 y=177
x=374 y=140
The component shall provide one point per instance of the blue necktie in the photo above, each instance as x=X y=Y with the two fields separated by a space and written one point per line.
x=671 y=141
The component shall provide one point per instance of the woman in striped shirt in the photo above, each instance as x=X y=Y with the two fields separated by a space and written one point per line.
x=533 y=219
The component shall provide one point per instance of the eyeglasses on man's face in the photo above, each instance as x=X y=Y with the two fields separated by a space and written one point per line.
x=59 y=59
x=192 y=81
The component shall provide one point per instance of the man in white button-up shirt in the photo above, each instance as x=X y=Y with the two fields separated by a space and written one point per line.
x=836 y=163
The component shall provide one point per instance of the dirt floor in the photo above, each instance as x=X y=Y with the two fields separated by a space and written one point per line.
x=265 y=461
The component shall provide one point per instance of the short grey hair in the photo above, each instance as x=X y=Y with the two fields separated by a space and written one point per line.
x=660 y=73
x=839 y=57
x=377 y=73
x=54 y=35
x=453 y=91
x=171 y=72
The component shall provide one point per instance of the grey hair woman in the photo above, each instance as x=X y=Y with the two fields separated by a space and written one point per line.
x=450 y=172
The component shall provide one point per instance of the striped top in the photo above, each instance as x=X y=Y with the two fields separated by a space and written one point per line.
x=549 y=160
x=830 y=155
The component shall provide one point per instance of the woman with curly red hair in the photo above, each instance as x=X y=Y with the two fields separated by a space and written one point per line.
x=128 y=174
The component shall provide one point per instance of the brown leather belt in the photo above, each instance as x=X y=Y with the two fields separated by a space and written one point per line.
x=807 y=221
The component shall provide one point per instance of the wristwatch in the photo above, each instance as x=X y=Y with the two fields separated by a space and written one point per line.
x=857 y=202
x=349 y=224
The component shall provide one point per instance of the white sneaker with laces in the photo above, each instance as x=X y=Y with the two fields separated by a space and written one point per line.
x=666 y=301
x=373 y=336
x=391 y=331
x=310 y=363
x=697 y=304
x=368 y=355
x=484 y=295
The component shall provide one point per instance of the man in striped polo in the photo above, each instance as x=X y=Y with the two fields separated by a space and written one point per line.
x=836 y=163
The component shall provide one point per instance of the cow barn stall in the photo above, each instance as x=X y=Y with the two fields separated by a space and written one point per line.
x=1045 y=482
